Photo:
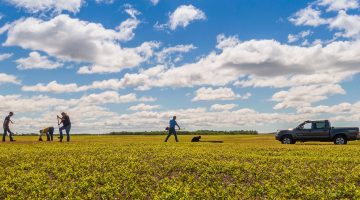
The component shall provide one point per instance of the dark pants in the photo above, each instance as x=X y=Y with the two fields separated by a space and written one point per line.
x=7 y=130
x=172 y=131
x=67 y=129
x=50 y=134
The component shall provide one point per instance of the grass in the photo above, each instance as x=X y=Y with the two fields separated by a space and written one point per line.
x=143 y=167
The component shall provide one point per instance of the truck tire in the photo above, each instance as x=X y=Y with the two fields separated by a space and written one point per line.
x=340 y=140
x=287 y=139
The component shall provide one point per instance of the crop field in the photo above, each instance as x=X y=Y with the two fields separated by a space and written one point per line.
x=143 y=167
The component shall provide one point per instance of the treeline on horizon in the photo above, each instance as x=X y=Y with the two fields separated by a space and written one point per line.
x=199 y=132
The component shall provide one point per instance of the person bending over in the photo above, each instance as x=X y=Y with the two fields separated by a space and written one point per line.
x=196 y=139
x=49 y=131
x=66 y=125
x=6 y=127
x=172 y=130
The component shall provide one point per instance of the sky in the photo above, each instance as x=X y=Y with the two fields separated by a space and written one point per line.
x=120 y=65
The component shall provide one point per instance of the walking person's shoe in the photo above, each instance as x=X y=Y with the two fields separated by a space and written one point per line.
x=12 y=140
x=40 y=139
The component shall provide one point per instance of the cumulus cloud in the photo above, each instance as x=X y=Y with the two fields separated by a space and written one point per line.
x=184 y=15
x=36 y=61
x=5 y=56
x=304 y=96
x=253 y=63
x=335 y=5
x=53 y=87
x=6 y=78
x=79 y=41
x=142 y=107
x=296 y=37
x=307 y=16
x=348 y=24
x=166 y=53
x=222 y=93
x=47 y=5
x=222 y=107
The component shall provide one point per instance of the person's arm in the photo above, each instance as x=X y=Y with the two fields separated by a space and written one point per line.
x=61 y=119
x=178 y=125
x=12 y=122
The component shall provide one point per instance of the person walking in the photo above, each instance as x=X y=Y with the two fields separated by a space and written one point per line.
x=49 y=131
x=66 y=125
x=6 y=127
x=172 y=130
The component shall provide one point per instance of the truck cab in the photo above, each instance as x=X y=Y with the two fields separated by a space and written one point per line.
x=313 y=130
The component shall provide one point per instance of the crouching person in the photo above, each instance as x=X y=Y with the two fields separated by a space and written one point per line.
x=49 y=131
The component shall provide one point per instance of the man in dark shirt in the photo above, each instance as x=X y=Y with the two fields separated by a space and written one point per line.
x=6 y=127
x=66 y=125
x=172 y=130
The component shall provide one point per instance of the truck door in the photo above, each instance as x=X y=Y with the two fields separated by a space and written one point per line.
x=304 y=132
x=320 y=131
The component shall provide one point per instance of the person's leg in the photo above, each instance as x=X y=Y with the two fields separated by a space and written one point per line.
x=61 y=133
x=48 y=136
x=51 y=133
x=168 y=136
x=4 y=135
x=176 y=138
x=40 y=136
x=68 y=128
x=11 y=135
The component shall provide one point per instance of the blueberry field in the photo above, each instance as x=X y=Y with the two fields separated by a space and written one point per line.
x=143 y=167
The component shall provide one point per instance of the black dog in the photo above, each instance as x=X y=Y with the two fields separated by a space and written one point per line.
x=196 y=139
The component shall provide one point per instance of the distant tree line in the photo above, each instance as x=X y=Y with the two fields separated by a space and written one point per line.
x=199 y=132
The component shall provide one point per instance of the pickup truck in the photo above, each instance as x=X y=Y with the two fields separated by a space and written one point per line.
x=318 y=131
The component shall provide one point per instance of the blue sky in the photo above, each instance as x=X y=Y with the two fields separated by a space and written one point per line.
x=131 y=65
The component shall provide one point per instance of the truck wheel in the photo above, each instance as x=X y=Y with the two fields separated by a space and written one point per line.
x=287 y=140
x=339 y=140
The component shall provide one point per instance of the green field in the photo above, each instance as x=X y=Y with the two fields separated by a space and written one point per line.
x=143 y=167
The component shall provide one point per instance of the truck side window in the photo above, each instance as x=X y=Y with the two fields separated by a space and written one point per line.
x=319 y=125
x=307 y=126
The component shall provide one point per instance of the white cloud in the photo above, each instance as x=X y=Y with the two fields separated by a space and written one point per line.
x=210 y=94
x=349 y=24
x=253 y=63
x=166 y=53
x=47 y=5
x=184 y=15
x=303 y=96
x=307 y=16
x=127 y=27
x=36 y=61
x=142 y=107
x=5 y=56
x=336 y=109
x=154 y=2
x=105 y=1
x=79 y=41
x=294 y=38
x=335 y=5
x=6 y=78
x=53 y=87
x=223 y=107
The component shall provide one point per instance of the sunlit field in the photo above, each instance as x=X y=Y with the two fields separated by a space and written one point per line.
x=144 y=167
